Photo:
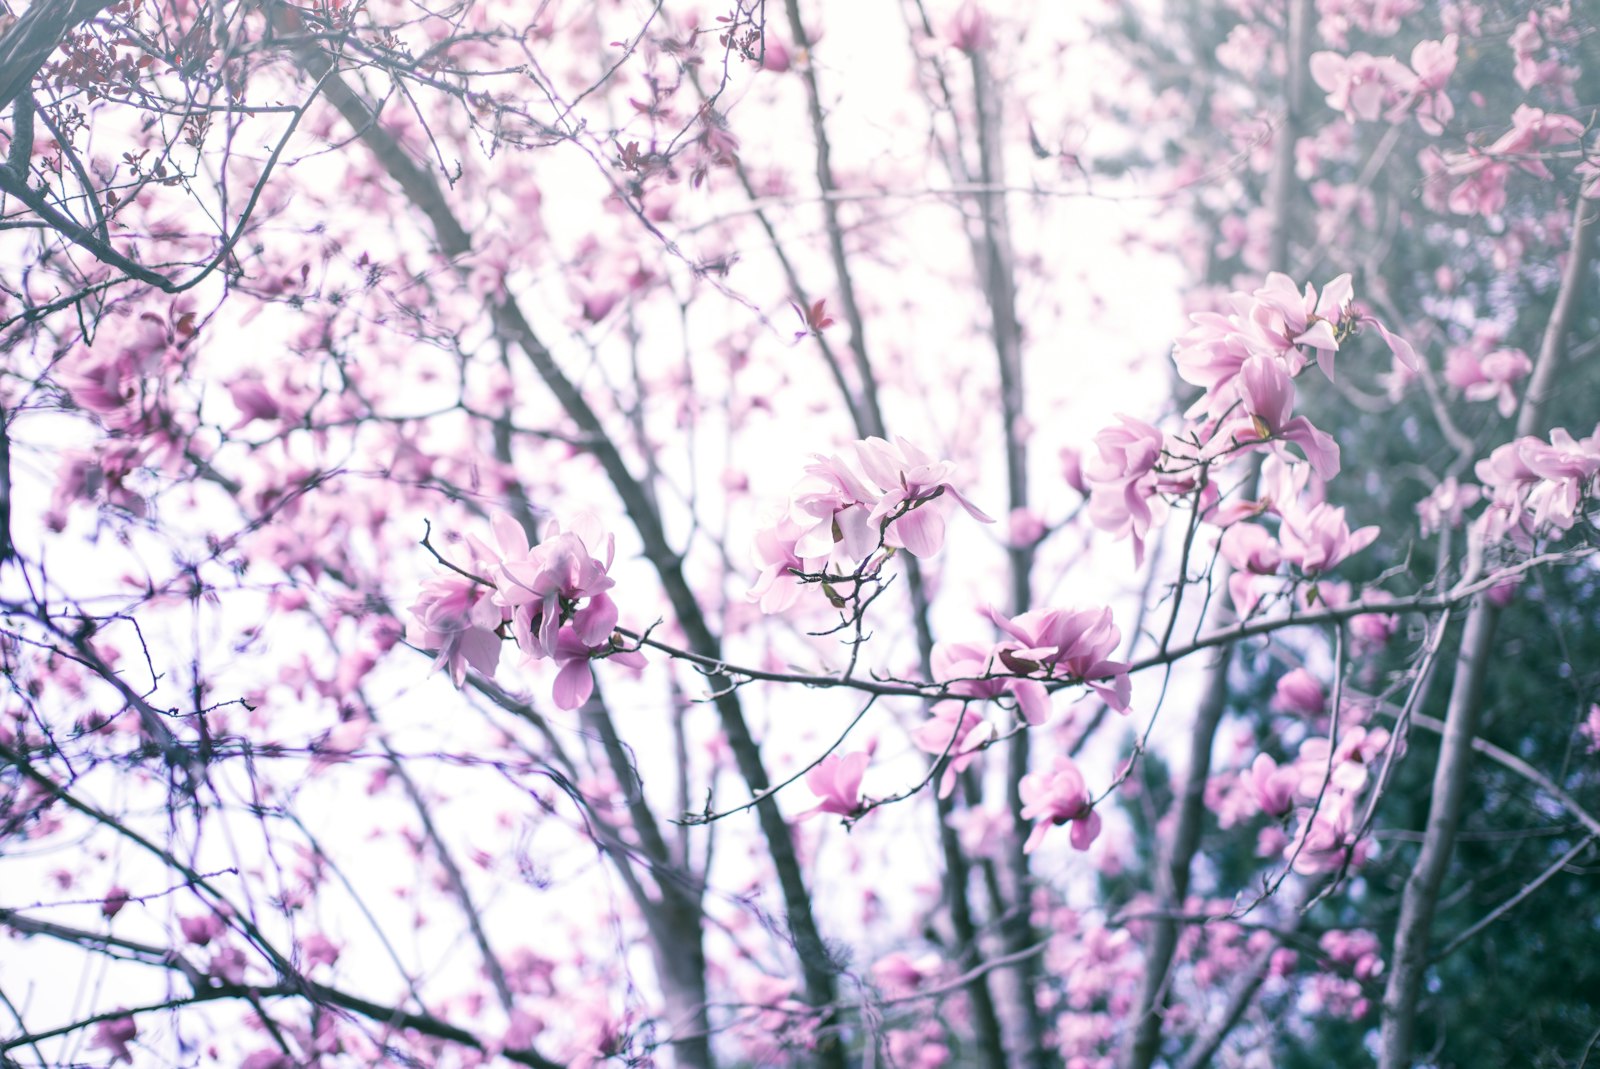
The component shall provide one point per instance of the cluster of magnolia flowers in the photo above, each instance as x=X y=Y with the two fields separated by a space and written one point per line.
x=1245 y=358
x=848 y=511
x=549 y=598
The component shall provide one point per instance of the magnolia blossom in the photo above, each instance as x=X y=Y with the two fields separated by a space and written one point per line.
x=1536 y=487
x=1317 y=539
x=971 y=670
x=1058 y=797
x=458 y=617
x=1298 y=692
x=114 y=1035
x=1362 y=86
x=956 y=731
x=1074 y=645
x=847 y=507
x=1490 y=378
x=1122 y=481
x=1590 y=729
x=1326 y=840
x=1268 y=396
x=837 y=781
x=1446 y=505
x=551 y=597
x=1272 y=787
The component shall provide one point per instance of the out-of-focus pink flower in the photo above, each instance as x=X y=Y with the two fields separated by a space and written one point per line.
x=1058 y=797
x=457 y=617
x=968 y=29
x=115 y=899
x=1490 y=378
x=1121 y=477
x=114 y=1036
x=1249 y=547
x=1589 y=730
x=318 y=949
x=956 y=731
x=1272 y=787
x=1446 y=505
x=899 y=975
x=837 y=781
x=1433 y=63
x=1326 y=839
x=201 y=930
x=1361 y=86
x=1299 y=693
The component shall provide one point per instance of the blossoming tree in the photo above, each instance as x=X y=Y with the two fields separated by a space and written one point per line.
x=565 y=534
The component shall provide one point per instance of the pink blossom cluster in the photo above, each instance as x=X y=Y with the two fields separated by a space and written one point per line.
x=847 y=508
x=1356 y=968
x=1367 y=88
x=1485 y=371
x=1327 y=794
x=1474 y=182
x=1538 y=488
x=1245 y=357
x=550 y=598
x=1040 y=647
x=1311 y=538
x=1538 y=43
x=1318 y=791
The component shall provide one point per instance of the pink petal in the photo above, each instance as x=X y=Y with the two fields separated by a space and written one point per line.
x=574 y=684
x=920 y=531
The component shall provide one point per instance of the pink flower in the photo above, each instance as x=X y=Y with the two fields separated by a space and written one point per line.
x=115 y=899
x=114 y=1036
x=1361 y=86
x=1446 y=505
x=1065 y=644
x=1590 y=729
x=201 y=930
x=1490 y=378
x=253 y=400
x=1318 y=539
x=957 y=731
x=1326 y=839
x=837 y=781
x=900 y=495
x=1249 y=547
x=1272 y=787
x=1298 y=692
x=1122 y=481
x=898 y=975
x=1058 y=797
x=268 y=1058
x=1268 y=396
x=541 y=584
x=917 y=489
x=318 y=949
x=1434 y=62
x=588 y=637
x=458 y=617
x=778 y=588
x=968 y=29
